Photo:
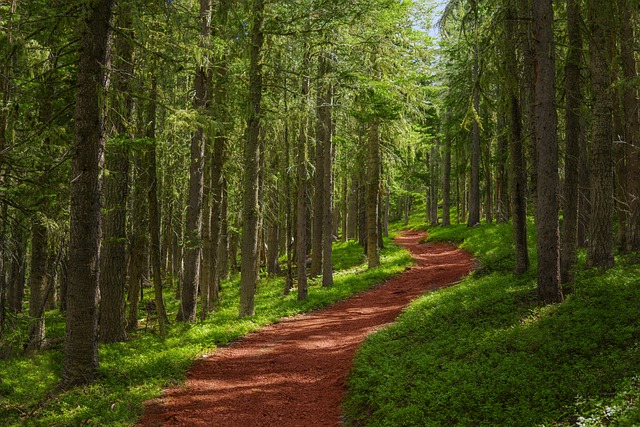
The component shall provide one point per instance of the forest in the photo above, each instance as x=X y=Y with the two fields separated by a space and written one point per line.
x=175 y=174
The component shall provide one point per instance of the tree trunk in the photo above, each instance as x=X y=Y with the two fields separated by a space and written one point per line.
x=318 y=196
x=116 y=183
x=223 y=241
x=373 y=186
x=435 y=160
x=193 y=232
x=301 y=197
x=250 y=209
x=139 y=243
x=527 y=90
x=38 y=283
x=631 y=120
x=600 y=249
x=17 y=269
x=327 y=181
x=80 y=363
x=446 y=178
x=548 y=239
x=219 y=236
x=474 y=190
x=154 y=211
x=516 y=150
x=502 y=168
x=568 y=257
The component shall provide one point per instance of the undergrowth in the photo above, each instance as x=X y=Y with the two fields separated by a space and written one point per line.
x=137 y=370
x=485 y=353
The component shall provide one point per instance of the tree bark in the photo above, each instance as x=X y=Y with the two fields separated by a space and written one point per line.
x=318 y=196
x=327 y=181
x=116 y=184
x=446 y=177
x=568 y=257
x=80 y=363
x=631 y=120
x=38 y=283
x=474 y=190
x=502 y=168
x=516 y=151
x=193 y=232
x=600 y=248
x=17 y=269
x=548 y=239
x=373 y=186
x=139 y=241
x=154 y=211
x=301 y=196
x=250 y=209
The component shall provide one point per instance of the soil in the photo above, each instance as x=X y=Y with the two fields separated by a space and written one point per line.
x=293 y=373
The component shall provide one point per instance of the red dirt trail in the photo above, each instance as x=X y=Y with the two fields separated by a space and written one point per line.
x=293 y=373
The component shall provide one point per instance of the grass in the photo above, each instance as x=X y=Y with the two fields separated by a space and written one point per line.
x=140 y=368
x=484 y=353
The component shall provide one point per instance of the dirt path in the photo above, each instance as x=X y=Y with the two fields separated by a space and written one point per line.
x=293 y=373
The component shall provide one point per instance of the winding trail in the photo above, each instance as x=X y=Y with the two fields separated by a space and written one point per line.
x=293 y=373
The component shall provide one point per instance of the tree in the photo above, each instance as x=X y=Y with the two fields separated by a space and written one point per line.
x=113 y=260
x=631 y=120
x=80 y=362
x=517 y=170
x=547 y=224
x=572 y=147
x=250 y=208
x=301 y=176
x=600 y=249
x=189 y=297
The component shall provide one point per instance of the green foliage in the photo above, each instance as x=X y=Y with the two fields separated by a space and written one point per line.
x=484 y=353
x=140 y=368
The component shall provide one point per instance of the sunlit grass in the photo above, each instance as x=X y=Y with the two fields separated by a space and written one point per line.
x=139 y=369
x=485 y=353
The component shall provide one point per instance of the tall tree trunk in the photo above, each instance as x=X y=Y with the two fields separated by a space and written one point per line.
x=318 y=196
x=548 y=239
x=116 y=184
x=80 y=363
x=488 y=183
x=352 y=215
x=600 y=249
x=154 y=210
x=434 y=185
x=38 y=283
x=631 y=119
x=568 y=257
x=474 y=190
x=193 y=232
x=373 y=186
x=223 y=242
x=301 y=197
x=288 y=195
x=219 y=237
x=250 y=208
x=502 y=168
x=206 y=272
x=527 y=97
x=17 y=273
x=446 y=177
x=516 y=151
x=139 y=242
x=327 y=182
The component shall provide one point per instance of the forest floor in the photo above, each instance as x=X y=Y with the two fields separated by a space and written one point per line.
x=293 y=373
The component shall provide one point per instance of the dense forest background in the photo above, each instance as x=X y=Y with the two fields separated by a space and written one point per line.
x=169 y=145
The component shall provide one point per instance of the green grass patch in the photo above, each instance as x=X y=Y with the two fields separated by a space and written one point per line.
x=484 y=353
x=140 y=368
